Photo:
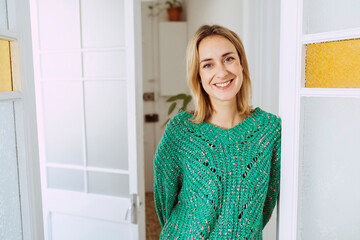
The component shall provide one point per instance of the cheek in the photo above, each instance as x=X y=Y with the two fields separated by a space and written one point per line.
x=204 y=77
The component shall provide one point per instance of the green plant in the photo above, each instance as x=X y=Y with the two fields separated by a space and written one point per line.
x=174 y=4
x=186 y=99
x=157 y=7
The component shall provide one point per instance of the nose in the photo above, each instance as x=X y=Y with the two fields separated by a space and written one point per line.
x=221 y=71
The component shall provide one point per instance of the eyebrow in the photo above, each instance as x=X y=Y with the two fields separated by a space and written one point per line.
x=224 y=55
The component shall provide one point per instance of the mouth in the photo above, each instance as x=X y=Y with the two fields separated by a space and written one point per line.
x=224 y=84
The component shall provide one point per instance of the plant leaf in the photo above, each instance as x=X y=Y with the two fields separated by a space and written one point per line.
x=187 y=100
x=177 y=97
x=171 y=108
x=164 y=124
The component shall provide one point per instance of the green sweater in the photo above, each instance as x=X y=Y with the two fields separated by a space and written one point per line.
x=215 y=183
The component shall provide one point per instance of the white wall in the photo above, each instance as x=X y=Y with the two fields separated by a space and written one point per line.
x=227 y=13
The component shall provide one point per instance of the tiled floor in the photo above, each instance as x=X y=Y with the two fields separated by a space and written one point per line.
x=153 y=227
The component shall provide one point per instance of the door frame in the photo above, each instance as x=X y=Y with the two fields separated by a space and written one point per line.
x=292 y=82
x=289 y=108
x=25 y=119
x=29 y=165
x=135 y=116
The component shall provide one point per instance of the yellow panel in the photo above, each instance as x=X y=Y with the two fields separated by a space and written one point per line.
x=333 y=64
x=5 y=66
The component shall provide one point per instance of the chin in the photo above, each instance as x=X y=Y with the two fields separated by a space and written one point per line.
x=226 y=98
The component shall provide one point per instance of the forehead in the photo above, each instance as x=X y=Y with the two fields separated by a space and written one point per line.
x=214 y=46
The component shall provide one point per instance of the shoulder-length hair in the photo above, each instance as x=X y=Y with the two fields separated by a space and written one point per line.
x=203 y=107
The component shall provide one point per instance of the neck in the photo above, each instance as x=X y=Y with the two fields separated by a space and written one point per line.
x=225 y=114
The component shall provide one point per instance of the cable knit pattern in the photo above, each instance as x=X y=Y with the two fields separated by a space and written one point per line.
x=215 y=183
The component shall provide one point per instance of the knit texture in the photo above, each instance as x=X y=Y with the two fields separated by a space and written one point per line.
x=215 y=183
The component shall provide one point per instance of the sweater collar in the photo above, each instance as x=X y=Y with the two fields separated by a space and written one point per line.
x=247 y=124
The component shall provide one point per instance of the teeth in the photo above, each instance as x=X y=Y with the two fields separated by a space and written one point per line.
x=223 y=84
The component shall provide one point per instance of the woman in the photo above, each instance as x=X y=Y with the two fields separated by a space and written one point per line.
x=217 y=170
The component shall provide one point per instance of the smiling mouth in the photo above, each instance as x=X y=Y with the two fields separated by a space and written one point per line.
x=223 y=84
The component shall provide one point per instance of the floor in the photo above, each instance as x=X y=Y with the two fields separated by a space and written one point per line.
x=153 y=227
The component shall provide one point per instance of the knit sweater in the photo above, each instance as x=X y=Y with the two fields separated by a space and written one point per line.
x=216 y=183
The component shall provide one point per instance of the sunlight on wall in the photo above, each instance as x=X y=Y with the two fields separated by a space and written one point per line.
x=333 y=64
x=5 y=67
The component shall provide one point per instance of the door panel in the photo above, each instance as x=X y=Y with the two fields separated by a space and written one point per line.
x=106 y=124
x=3 y=15
x=53 y=65
x=329 y=165
x=52 y=35
x=10 y=215
x=325 y=16
x=87 y=228
x=67 y=179
x=86 y=108
x=63 y=122
x=333 y=64
x=105 y=64
x=111 y=184
x=95 y=21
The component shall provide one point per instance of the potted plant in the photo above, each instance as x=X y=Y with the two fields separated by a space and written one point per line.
x=174 y=9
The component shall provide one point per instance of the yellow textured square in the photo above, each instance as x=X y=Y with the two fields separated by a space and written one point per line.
x=333 y=64
x=5 y=66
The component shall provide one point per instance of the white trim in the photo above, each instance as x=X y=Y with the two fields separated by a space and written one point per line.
x=79 y=167
x=80 y=79
x=289 y=107
x=330 y=92
x=78 y=50
x=22 y=166
x=8 y=35
x=104 y=79
x=260 y=49
x=34 y=9
x=96 y=169
x=33 y=183
x=131 y=87
x=4 y=96
x=331 y=36
x=135 y=110
x=71 y=202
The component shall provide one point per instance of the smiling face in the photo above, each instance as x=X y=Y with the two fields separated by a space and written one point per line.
x=220 y=70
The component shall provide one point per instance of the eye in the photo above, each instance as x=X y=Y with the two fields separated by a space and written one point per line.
x=208 y=65
x=229 y=59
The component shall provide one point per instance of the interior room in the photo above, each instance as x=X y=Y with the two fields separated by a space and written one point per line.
x=87 y=89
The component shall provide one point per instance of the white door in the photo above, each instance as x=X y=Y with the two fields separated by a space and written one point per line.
x=88 y=79
x=320 y=110
x=20 y=197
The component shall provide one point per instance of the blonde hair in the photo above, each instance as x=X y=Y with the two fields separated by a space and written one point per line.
x=203 y=107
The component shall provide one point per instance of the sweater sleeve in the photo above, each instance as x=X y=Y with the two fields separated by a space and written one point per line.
x=274 y=182
x=167 y=176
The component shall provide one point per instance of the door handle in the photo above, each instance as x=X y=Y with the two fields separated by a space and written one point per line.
x=132 y=209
